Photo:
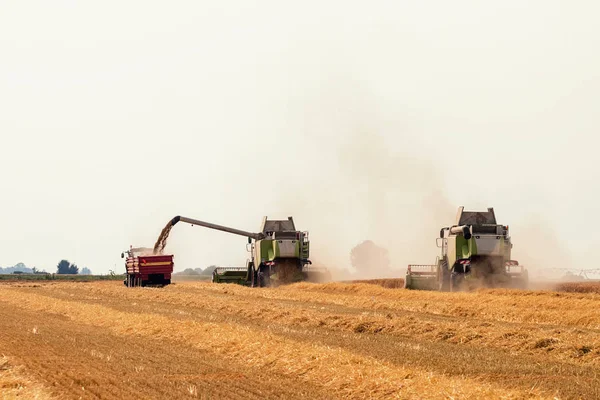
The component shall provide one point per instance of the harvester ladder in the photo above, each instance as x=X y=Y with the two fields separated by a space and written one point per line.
x=304 y=245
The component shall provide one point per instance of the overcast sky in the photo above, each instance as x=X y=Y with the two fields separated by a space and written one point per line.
x=363 y=120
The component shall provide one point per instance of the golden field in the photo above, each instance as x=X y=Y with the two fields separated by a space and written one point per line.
x=200 y=340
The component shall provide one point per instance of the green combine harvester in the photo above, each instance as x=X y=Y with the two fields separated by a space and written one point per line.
x=475 y=252
x=279 y=254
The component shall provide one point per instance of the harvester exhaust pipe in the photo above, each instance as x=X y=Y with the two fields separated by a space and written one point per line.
x=464 y=230
x=255 y=236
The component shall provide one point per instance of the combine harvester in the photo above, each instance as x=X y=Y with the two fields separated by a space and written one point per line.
x=279 y=254
x=146 y=269
x=476 y=252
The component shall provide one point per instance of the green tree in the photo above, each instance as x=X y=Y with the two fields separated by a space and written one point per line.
x=65 y=267
x=209 y=270
x=189 y=271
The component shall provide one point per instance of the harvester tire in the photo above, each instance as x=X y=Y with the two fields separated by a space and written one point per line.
x=264 y=279
x=250 y=274
x=253 y=279
x=407 y=282
x=457 y=282
x=444 y=277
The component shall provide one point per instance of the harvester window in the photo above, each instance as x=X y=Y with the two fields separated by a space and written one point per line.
x=485 y=229
x=285 y=235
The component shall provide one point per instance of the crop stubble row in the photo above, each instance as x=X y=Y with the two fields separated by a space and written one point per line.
x=348 y=340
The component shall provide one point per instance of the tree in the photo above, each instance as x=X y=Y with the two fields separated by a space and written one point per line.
x=86 y=271
x=189 y=271
x=209 y=270
x=18 y=267
x=369 y=259
x=65 y=267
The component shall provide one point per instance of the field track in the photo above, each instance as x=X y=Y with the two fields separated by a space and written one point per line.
x=318 y=341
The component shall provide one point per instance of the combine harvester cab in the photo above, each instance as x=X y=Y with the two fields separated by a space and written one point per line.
x=146 y=269
x=475 y=252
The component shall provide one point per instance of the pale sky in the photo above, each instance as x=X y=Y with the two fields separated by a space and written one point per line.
x=363 y=120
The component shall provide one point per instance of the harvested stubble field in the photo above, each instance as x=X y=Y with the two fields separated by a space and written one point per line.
x=60 y=277
x=203 y=340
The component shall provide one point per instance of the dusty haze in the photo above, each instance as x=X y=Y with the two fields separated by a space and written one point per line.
x=363 y=121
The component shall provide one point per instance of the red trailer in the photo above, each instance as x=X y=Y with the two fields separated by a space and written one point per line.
x=145 y=269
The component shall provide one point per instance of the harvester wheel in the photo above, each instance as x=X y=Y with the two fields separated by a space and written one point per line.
x=444 y=277
x=253 y=279
x=457 y=282
x=264 y=279
x=408 y=282
x=250 y=273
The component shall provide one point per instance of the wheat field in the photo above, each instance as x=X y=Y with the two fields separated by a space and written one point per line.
x=201 y=340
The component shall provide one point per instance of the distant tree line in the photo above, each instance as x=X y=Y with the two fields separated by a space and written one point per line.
x=20 y=268
x=63 y=267
x=197 y=271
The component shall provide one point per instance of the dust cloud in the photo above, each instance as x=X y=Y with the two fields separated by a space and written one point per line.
x=539 y=247
x=394 y=199
x=368 y=177
x=398 y=201
x=142 y=251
